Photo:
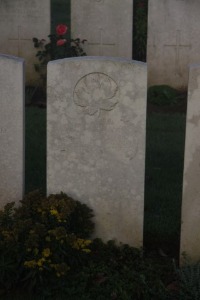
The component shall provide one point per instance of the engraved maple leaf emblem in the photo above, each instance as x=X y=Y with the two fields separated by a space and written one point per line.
x=95 y=92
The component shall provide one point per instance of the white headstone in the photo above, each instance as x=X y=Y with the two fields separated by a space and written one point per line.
x=96 y=119
x=173 y=28
x=20 y=21
x=107 y=25
x=190 y=234
x=11 y=129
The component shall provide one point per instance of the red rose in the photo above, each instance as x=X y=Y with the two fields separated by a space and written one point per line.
x=61 y=29
x=61 y=42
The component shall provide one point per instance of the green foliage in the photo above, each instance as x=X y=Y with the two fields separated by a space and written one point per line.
x=189 y=281
x=51 y=51
x=116 y=272
x=163 y=186
x=59 y=46
x=37 y=244
x=44 y=249
x=35 y=154
x=163 y=95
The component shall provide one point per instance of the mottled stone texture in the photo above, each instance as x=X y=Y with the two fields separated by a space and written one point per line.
x=173 y=28
x=11 y=129
x=20 y=21
x=96 y=121
x=106 y=24
x=190 y=233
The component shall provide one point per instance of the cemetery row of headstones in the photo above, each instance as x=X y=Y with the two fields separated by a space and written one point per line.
x=20 y=21
x=97 y=113
x=173 y=28
x=96 y=120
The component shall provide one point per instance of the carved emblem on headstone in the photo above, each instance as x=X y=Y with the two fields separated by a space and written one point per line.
x=95 y=92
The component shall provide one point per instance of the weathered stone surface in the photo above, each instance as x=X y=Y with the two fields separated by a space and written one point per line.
x=96 y=119
x=20 y=21
x=190 y=234
x=173 y=28
x=11 y=129
x=106 y=24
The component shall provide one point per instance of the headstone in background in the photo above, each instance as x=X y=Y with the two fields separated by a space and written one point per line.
x=190 y=234
x=107 y=25
x=20 y=21
x=11 y=129
x=96 y=123
x=173 y=30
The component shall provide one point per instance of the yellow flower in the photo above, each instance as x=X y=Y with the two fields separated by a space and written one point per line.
x=40 y=262
x=46 y=252
x=30 y=264
x=86 y=250
x=87 y=242
x=81 y=243
x=53 y=212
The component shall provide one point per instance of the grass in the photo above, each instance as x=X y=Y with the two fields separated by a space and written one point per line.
x=35 y=153
x=163 y=187
x=164 y=167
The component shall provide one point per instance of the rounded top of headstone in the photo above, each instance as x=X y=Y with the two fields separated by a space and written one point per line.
x=11 y=57
x=98 y=58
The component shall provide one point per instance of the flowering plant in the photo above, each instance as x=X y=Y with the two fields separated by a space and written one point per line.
x=42 y=239
x=59 y=46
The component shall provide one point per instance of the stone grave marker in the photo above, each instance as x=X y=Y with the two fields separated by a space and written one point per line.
x=96 y=124
x=20 y=21
x=190 y=235
x=173 y=27
x=107 y=26
x=11 y=129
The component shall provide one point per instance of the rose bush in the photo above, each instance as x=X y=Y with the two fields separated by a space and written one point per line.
x=59 y=46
